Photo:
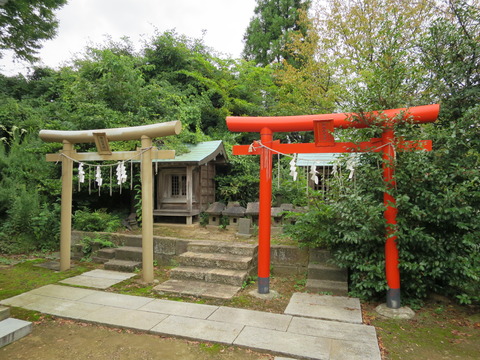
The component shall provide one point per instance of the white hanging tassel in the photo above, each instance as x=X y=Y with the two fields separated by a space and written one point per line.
x=314 y=174
x=293 y=168
x=351 y=164
x=121 y=173
x=335 y=168
x=81 y=173
x=98 y=177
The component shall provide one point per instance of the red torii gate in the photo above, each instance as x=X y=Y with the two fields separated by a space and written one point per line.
x=323 y=126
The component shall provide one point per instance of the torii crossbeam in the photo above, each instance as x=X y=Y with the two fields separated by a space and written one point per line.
x=323 y=127
x=101 y=138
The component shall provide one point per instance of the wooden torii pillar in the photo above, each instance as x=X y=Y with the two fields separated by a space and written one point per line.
x=101 y=138
x=323 y=127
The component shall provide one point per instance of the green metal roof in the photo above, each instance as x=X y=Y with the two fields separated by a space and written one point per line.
x=199 y=154
x=316 y=159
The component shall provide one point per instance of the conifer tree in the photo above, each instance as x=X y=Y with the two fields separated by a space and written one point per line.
x=271 y=28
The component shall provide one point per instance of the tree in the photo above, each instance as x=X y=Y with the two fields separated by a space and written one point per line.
x=24 y=24
x=271 y=28
x=387 y=59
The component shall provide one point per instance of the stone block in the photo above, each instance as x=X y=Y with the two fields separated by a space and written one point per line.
x=164 y=246
x=244 y=226
x=284 y=254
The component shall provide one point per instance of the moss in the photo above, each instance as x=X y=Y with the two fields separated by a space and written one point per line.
x=25 y=276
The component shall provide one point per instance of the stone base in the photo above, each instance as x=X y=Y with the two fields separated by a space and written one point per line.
x=271 y=295
x=403 y=313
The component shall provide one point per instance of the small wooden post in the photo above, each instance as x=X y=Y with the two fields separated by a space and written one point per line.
x=66 y=207
x=147 y=211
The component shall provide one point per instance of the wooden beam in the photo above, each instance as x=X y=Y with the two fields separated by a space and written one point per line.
x=116 y=156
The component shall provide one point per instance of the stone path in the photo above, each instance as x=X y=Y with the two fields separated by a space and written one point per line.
x=301 y=333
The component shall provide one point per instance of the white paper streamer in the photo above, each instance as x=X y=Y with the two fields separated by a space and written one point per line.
x=121 y=173
x=81 y=173
x=293 y=168
x=98 y=177
x=314 y=174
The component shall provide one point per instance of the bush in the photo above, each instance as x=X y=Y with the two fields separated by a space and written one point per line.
x=99 y=220
x=91 y=244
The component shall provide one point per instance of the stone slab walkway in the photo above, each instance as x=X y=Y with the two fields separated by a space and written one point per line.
x=98 y=279
x=297 y=334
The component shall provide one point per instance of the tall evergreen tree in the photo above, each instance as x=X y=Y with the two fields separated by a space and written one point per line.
x=270 y=30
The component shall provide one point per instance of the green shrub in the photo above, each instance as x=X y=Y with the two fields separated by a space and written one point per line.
x=91 y=244
x=99 y=220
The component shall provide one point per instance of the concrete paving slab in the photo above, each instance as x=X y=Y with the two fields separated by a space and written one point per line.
x=354 y=350
x=50 y=265
x=252 y=318
x=337 y=308
x=109 y=274
x=333 y=330
x=63 y=308
x=13 y=329
x=168 y=307
x=197 y=288
x=131 y=319
x=197 y=329
x=4 y=312
x=116 y=300
x=91 y=282
x=62 y=292
x=284 y=343
x=21 y=300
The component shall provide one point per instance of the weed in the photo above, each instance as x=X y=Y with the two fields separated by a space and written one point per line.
x=300 y=284
x=249 y=281
x=212 y=348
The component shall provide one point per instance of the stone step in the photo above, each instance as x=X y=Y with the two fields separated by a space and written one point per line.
x=4 y=312
x=210 y=260
x=122 y=265
x=337 y=288
x=130 y=253
x=133 y=240
x=222 y=248
x=326 y=272
x=197 y=288
x=103 y=255
x=219 y=276
x=319 y=256
x=12 y=330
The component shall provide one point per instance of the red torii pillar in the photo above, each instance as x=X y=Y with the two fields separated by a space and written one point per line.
x=323 y=126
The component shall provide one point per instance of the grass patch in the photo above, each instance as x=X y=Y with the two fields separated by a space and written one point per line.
x=28 y=315
x=25 y=276
x=212 y=348
x=436 y=332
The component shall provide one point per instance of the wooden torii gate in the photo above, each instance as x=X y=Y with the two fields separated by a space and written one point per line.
x=323 y=127
x=101 y=138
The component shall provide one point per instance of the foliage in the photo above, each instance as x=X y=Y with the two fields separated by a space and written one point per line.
x=271 y=28
x=437 y=193
x=92 y=244
x=24 y=24
x=240 y=182
x=98 y=220
x=25 y=197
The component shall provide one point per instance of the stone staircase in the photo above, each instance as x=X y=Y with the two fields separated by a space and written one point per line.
x=12 y=329
x=324 y=277
x=211 y=269
x=126 y=258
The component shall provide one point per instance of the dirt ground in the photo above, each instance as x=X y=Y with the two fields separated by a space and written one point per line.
x=58 y=339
